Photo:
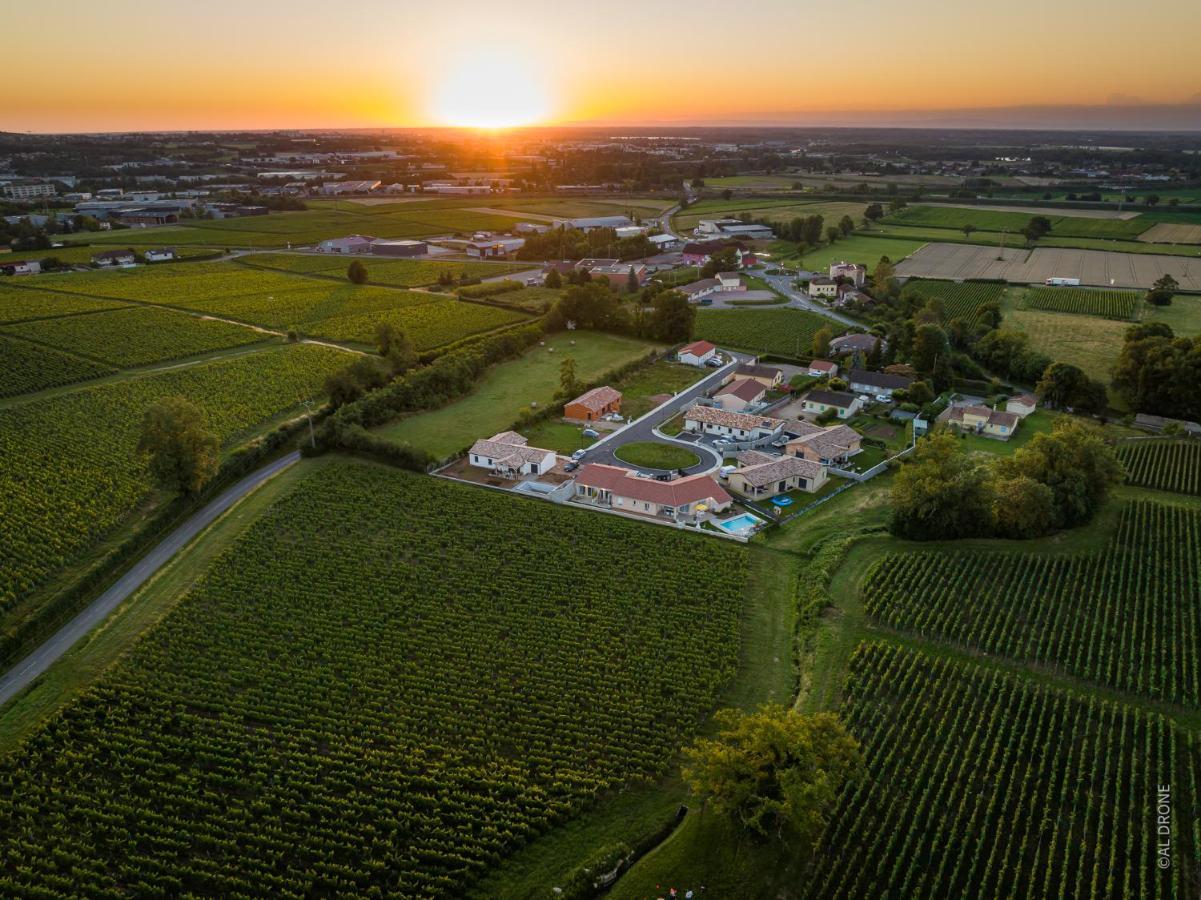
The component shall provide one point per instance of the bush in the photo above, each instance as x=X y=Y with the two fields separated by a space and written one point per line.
x=490 y=289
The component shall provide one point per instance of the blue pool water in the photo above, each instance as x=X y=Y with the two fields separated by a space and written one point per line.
x=782 y=501
x=745 y=522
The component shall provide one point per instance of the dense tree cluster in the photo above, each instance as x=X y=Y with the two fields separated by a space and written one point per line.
x=1160 y=373
x=571 y=243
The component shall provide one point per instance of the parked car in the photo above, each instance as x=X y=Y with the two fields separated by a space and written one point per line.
x=571 y=467
x=714 y=363
x=884 y=398
x=533 y=282
x=590 y=432
x=726 y=471
x=578 y=455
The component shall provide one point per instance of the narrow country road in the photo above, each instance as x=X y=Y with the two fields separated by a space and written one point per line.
x=782 y=284
x=27 y=670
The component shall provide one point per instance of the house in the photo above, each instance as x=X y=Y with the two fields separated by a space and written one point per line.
x=664 y=242
x=729 y=281
x=399 y=248
x=985 y=421
x=589 y=223
x=165 y=254
x=762 y=476
x=769 y=376
x=844 y=405
x=508 y=455
x=697 y=353
x=697 y=253
x=334 y=188
x=495 y=248
x=822 y=368
x=697 y=290
x=821 y=286
x=1023 y=405
x=848 y=295
x=619 y=274
x=853 y=272
x=20 y=267
x=726 y=423
x=735 y=228
x=740 y=394
x=622 y=489
x=355 y=243
x=877 y=383
x=828 y=446
x=114 y=258
x=856 y=343
x=594 y=404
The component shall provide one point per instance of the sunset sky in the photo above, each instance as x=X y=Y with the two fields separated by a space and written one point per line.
x=123 y=65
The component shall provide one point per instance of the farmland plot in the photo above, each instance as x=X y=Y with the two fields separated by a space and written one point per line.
x=19 y=304
x=994 y=220
x=28 y=367
x=784 y=332
x=1084 y=301
x=959 y=301
x=1167 y=465
x=380 y=270
x=341 y=706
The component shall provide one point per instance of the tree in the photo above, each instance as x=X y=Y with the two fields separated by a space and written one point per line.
x=811 y=230
x=876 y=356
x=846 y=225
x=632 y=284
x=967 y=229
x=723 y=261
x=929 y=343
x=1162 y=291
x=394 y=346
x=1063 y=385
x=182 y=454
x=874 y=212
x=920 y=393
x=553 y=279
x=356 y=272
x=1159 y=373
x=727 y=194
x=1022 y=508
x=884 y=275
x=568 y=386
x=775 y=772
x=821 y=342
x=1037 y=227
x=941 y=493
x=833 y=233
x=672 y=318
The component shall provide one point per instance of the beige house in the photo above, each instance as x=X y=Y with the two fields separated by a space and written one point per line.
x=768 y=376
x=1023 y=405
x=735 y=425
x=740 y=394
x=764 y=476
x=622 y=489
x=844 y=405
x=829 y=446
x=508 y=455
x=985 y=421
x=821 y=286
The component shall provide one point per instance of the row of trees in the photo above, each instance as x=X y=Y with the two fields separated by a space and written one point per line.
x=1058 y=480
x=658 y=313
x=571 y=243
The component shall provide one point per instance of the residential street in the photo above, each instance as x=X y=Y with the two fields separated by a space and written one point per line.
x=800 y=300
x=31 y=667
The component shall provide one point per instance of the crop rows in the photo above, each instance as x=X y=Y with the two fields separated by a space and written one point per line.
x=1084 y=301
x=29 y=368
x=783 y=332
x=959 y=300
x=382 y=270
x=23 y=304
x=388 y=684
x=1127 y=616
x=137 y=336
x=1001 y=220
x=427 y=325
x=68 y=468
x=981 y=785
x=1167 y=465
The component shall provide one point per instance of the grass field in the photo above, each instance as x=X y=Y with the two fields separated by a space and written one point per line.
x=931 y=234
x=772 y=210
x=654 y=455
x=137 y=336
x=281 y=721
x=1085 y=301
x=70 y=473
x=780 y=332
x=858 y=248
x=1091 y=343
x=511 y=388
x=994 y=220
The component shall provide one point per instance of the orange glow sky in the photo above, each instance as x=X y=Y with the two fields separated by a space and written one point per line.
x=123 y=65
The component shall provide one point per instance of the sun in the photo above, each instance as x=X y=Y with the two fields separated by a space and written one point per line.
x=490 y=90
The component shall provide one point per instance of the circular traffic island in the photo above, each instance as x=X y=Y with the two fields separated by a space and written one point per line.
x=653 y=455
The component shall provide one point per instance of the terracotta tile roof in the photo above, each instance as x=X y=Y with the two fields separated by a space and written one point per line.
x=745 y=389
x=1025 y=399
x=991 y=416
x=597 y=398
x=823 y=365
x=508 y=448
x=624 y=483
x=778 y=468
x=698 y=348
x=829 y=443
x=711 y=415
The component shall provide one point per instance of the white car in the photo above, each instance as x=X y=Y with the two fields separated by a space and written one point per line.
x=578 y=455
x=884 y=398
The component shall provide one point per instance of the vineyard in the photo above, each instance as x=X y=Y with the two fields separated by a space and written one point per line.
x=29 y=368
x=1167 y=465
x=783 y=332
x=427 y=325
x=979 y=785
x=382 y=270
x=1125 y=616
x=959 y=300
x=1084 y=301
x=68 y=470
x=136 y=336
x=23 y=304
x=341 y=706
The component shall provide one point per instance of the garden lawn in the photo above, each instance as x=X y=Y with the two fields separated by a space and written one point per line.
x=512 y=388
x=562 y=437
x=654 y=455
x=661 y=377
x=859 y=248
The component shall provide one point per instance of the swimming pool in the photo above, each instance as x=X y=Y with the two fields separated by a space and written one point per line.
x=739 y=524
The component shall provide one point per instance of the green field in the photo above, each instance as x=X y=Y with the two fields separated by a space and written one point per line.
x=380 y=270
x=29 y=367
x=137 y=336
x=772 y=210
x=997 y=220
x=655 y=455
x=1172 y=465
x=69 y=471
x=512 y=388
x=20 y=304
x=931 y=234
x=780 y=332
x=959 y=300
x=980 y=784
x=339 y=707
x=1085 y=301
x=859 y=248
x=1089 y=342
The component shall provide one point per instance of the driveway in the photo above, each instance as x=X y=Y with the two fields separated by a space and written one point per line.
x=644 y=429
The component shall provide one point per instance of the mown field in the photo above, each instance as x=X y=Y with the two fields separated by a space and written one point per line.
x=135 y=336
x=1085 y=301
x=381 y=270
x=959 y=300
x=984 y=785
x=858 y=248
x=781 y=332
x=1125 y=615
x=28 y=367
x=278 y=300
x=69 y=472
x=339 y=707
x=997 y=220
x=1164 y=465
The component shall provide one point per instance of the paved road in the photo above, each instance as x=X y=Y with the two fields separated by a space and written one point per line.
x=23 y=673
x=644 y=429
x=800 y=300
